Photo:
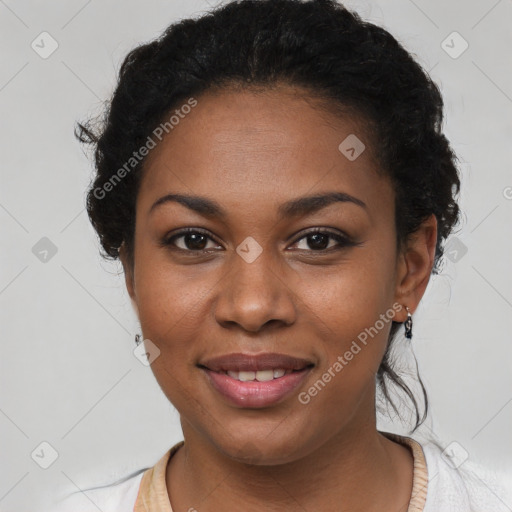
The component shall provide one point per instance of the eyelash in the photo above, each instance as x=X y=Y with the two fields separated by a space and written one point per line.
x=342 y=240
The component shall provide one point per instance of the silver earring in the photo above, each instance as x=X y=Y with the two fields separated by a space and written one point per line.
x=138 y=339
x=408 y=324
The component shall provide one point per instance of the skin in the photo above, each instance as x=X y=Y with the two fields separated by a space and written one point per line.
x=251 y=152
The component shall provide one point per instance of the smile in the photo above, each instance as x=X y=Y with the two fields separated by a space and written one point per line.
x=255 y=380
x=260 y=376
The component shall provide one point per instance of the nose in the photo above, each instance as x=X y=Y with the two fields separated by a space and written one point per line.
x=255 y=295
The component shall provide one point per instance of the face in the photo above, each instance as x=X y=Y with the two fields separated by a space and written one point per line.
x=266 y=275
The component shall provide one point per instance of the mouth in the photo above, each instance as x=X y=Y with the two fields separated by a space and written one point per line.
x=255 y=381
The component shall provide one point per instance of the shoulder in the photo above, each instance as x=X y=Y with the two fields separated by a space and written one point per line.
x=455 y=483
x=125 y=494
x=121 y=495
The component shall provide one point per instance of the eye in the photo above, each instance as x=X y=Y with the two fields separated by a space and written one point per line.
x=318 y=240
x=190 y=240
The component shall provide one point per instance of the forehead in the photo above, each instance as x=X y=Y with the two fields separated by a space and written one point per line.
x=263 y=146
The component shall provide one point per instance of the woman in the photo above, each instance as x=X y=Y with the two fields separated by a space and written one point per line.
x=274 y=179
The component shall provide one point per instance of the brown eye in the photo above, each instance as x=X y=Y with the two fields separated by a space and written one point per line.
x=194 y=241
x=191 y=240
x=319 y=240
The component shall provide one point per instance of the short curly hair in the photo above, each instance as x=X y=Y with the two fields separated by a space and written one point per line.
x=318 y=45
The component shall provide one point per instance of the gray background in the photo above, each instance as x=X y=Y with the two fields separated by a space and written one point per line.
x=68 y=374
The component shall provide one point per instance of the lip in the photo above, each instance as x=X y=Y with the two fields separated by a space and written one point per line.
x=255 y=394
x=254 y=362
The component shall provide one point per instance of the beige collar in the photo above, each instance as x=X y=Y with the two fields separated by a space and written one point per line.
x=153 y=496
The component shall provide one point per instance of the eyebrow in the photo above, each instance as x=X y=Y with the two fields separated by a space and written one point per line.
x=295 y=207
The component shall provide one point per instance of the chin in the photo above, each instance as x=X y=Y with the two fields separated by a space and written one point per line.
x=260 y=450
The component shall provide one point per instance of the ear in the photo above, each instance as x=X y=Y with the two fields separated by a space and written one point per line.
x=414 y=266
x=128 y=274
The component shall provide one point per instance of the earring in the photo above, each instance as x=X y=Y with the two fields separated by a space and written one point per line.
x=408 y=324
x=138 y=339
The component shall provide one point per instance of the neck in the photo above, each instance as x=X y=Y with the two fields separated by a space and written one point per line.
x=359 y=469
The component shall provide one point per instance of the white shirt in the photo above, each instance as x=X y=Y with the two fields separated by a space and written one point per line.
x=451 y=486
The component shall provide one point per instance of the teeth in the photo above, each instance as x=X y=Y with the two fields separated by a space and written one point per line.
x=243 y=376
x=260 y=376
x=264 y=375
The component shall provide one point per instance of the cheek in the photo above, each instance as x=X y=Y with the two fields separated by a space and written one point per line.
x=351 y=310
x=347 y=298
x=174 y=309
x=171 y=316
x=352 y=340
x=169 y=301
